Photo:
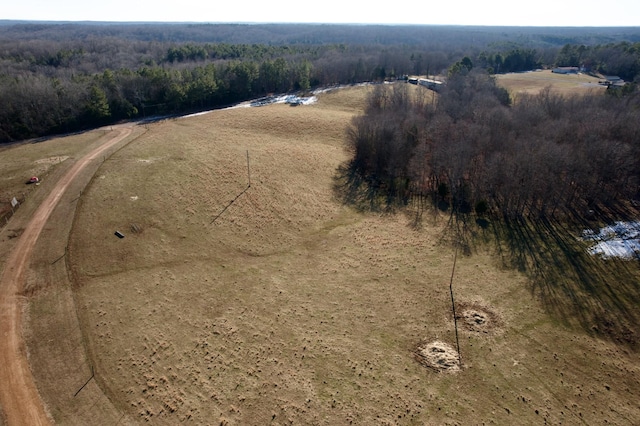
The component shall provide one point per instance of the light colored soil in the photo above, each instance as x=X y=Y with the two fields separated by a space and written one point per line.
x=439 y=356
x=52 y=160
x=477 y=317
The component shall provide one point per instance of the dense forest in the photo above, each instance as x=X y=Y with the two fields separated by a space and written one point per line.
x=547 y=156
x=64 y=77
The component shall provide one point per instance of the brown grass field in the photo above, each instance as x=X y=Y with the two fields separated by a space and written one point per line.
x=287 y=305
x=532 y=82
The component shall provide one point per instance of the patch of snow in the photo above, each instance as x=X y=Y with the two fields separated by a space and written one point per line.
x=339 y=86
x=622 y=239
x=284 y=99
x=241 y=105
x=196 y=114
x=268 y=100
x=307 y=101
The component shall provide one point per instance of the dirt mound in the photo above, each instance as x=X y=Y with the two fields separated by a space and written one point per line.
x=476 y=318
x=438 y=356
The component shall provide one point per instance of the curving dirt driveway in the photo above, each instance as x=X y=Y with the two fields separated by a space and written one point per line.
x=19 y=396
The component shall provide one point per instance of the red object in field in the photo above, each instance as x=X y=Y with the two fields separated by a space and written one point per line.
x=34 y=179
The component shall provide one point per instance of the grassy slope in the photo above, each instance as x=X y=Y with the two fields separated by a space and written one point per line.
x=289 y=304
x=293 y=307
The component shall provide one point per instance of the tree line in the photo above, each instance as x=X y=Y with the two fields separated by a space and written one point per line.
x=621 y=59
x=51 y=94
x=547 y=155
x=58 y=78
x=49 y=87
x=429 y=36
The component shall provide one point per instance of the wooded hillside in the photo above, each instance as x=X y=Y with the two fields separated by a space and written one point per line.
x=64 y=77
x=545 y=156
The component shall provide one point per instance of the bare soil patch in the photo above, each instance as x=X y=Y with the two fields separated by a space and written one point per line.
x=52 y=160
x=14 y=233
x=439 y=356
x=478 y=318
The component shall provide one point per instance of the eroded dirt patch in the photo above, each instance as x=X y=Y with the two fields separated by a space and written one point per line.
x=477 y=318
x=438 y=356
x=618 y=330
x=52 y=160
x=15 y=233
x=45 y=164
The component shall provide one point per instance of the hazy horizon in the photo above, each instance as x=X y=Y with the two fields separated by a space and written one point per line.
x=88 y=21
x=547 y=13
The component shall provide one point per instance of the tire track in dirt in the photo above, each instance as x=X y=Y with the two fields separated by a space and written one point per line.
x=19 y=397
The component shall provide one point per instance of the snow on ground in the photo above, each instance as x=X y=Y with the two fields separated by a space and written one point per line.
x=622 y=239
x=267 y=100
x=283 y=99
x=195 y=114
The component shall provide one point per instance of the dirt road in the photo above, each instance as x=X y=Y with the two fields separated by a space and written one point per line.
x=19 y=397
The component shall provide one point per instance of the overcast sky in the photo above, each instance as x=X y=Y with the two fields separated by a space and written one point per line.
x=460 y=12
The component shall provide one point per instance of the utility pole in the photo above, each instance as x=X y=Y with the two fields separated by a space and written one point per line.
x=248 y=169
x=453 y=304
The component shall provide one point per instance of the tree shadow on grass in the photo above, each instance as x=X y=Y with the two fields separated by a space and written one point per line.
x=579 y=290
x=363 y=194
x=600 y=296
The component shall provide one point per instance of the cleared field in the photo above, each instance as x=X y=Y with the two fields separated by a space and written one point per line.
x=19 y=163
x=534 y=81
x=293 y=308
x=44 y=279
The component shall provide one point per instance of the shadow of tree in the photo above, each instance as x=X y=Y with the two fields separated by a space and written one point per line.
x=581 y=291
x=352 y=189
x=600 y=296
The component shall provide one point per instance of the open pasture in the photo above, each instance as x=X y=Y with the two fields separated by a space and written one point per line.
x=532 y=82
x=19 y=162
x=276 y=303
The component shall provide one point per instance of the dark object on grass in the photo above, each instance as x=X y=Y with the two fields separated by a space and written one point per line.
x=119 y=234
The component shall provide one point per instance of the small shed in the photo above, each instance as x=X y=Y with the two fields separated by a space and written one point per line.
x=565 y=70
x=434 y=85
x=612 y=78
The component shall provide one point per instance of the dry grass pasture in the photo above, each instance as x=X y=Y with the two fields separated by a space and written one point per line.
x=533 y=81
x=287 y=306
x=20 y=162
